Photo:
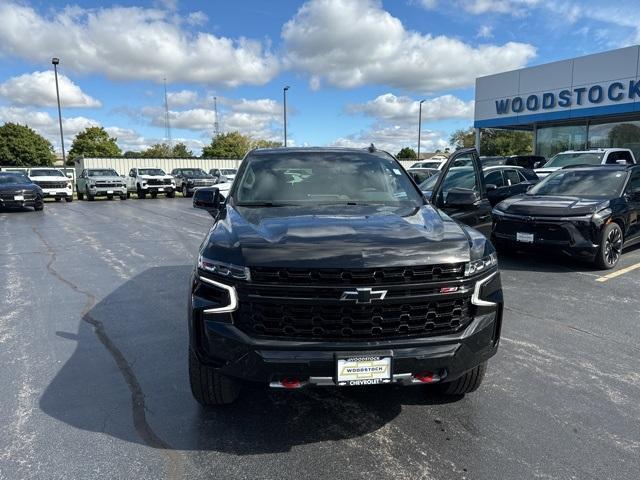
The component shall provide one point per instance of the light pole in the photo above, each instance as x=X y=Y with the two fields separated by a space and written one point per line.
x=284 y=94
x=419 y=126
x=55 y=62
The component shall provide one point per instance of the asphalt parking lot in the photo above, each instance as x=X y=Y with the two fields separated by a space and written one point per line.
x=93 y=347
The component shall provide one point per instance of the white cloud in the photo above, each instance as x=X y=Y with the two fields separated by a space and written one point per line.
x=513 y=7
x=197 y=18
x=350 y=43
x=391 y=108
x=39 y=89
x=182 y=98
x=485 y=31
x=393 y=138
x=132 y=43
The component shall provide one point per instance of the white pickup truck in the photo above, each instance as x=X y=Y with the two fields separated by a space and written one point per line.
x=600 y=156
x=150 y=181
x=53 y=182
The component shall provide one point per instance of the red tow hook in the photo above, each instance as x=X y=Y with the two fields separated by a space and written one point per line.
x=290 y=382
x=426 y=377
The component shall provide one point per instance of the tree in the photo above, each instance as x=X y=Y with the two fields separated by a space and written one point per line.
x=494 y=142
x=20 y=146
x=180 y=150
x=132 y=154
x=94 y=142
x=260 y=143
x=227 y=145
x=158 y=150
x=407 y=152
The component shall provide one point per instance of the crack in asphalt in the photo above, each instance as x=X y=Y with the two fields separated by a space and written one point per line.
x=144 y=430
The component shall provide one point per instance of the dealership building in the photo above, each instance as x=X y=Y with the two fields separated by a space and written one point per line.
x=586 y=102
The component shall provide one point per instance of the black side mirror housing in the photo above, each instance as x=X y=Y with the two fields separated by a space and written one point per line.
x=209 y=199
x=490 y=187
x=461 y=197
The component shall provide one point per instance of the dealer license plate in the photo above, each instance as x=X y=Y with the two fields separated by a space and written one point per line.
x=363 y=369
x=18 y=197
x=524 y=237
x=161 y=189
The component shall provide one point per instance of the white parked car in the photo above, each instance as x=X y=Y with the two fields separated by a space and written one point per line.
x=150 y=181
x=600 y=156
x=229 y=173
x=53 y=182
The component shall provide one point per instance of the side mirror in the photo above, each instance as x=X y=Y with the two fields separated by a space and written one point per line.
x=461 y=197
x=209 y=199
x=490 y=187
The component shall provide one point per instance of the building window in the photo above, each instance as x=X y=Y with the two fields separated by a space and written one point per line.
x=616 y=134
x=551 y=140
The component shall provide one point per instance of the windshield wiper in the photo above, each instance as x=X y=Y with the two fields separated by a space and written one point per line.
x=264 y=204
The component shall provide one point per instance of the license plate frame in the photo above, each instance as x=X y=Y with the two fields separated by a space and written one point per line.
x=109 y=192
x=161 y=189
x=18 y=198
x=525 y=237
x=381 y=361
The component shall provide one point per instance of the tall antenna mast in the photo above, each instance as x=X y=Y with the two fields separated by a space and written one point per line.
x=167 y=125
x=216 y=125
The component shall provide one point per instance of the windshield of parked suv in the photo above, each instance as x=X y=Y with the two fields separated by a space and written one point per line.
x=102 y=173
x=324 y=178
x=434 y=164
x=150 y=171
x=582 y=183
x=13 y=179
x=228 y=171
x=193 y=173
x=46 y=173
x=566 y=159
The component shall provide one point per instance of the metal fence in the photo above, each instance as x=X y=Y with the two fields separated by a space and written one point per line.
x=123 y=165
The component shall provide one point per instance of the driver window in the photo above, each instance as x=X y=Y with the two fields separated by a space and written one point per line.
x=634 y=182
x=494 y=178
x=512 y=177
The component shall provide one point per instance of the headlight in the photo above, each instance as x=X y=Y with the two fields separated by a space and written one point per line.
x=69 y=185
x=601 y=215
x=224 y=269
x=476 y=266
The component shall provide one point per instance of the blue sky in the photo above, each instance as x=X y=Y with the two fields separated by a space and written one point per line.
x=357 y=68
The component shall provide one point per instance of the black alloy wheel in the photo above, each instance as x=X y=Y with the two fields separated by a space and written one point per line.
x=610 y=246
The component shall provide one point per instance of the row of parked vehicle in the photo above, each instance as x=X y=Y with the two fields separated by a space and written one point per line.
x=30 y=187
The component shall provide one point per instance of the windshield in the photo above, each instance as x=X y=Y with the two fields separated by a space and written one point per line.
x=13 y=179
x=193 y=173
x=458 y=177
x=420 y=176
x=228 y=171
x=582 y=183
x=102 y=173
x=566 y=159
x=324 y=178
x=434 y=164
x=151 y=171
x=46 y=173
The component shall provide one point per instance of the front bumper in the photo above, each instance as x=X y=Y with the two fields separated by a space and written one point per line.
x=219 y=343
x=576 y=237
x=158 y=188
x=57 y=192
x=100 y=191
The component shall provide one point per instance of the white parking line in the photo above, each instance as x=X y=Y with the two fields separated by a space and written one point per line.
x=618 y=273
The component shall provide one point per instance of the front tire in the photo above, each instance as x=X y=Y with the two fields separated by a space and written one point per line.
x=208 y=386
x=124 y=197
x=80 y=195
x=171 y=194
x=90 y=197
x=38 y=207
x=68 y=199
x=141 y=193
x=467 y=383
x=611 y=240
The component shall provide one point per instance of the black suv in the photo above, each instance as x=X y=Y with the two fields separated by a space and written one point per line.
x=330 y=267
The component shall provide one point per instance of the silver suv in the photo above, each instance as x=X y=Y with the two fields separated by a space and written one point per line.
x=100 y=182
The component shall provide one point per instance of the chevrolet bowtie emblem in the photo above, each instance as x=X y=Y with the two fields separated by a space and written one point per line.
x=363 y=295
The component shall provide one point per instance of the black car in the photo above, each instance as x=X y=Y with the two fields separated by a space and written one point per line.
x=16 y=191
x=587 y=212
x=345 y=275
x=419 y=175
x=188 y=179
x=526 y=161
x=504 y=181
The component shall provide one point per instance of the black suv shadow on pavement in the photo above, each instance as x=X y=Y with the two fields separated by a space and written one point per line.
x=128 y=378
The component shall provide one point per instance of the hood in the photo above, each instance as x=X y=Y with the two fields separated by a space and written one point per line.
x=56 y=178
x=161 y=177
x=550 y=206
x=106 y=179
x=339 y=237
x=9 y=188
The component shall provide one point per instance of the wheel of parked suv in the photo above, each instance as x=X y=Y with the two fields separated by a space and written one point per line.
x=154 y=194
x=467 y=383
x=38 y=207
x=185 y=192
x=124 y=196
x=68 y=199
x=80 y=195
x=141 y=194
x=109 y=197
x=58 y=199
x=128 y=194
x=208 y=386
x=610 y=246
x=171 y=194
x=90 y=197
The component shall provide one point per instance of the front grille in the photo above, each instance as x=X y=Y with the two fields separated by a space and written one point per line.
x=202 y=183
x=9 y=197
x=167 y=181
x=360 y=276
x=109 y=184
x=155 y=181
x=50 y=184
x=541 y=231
x=376 y=321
